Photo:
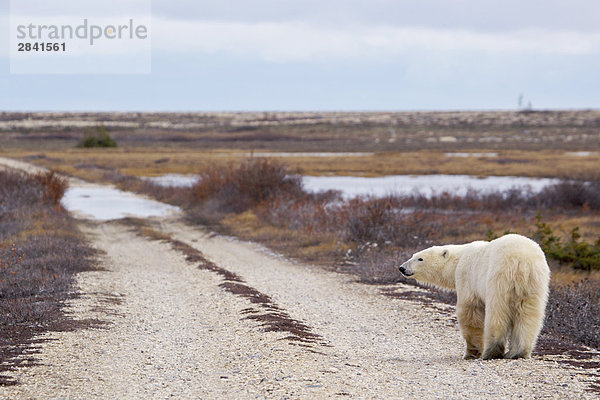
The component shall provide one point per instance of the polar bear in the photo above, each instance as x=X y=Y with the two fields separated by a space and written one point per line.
x=501 y=289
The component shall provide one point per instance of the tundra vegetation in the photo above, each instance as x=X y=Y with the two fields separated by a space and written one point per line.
x=242 y=194
x=40 y=252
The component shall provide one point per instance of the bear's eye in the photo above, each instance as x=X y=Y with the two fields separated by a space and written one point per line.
x=420 y=259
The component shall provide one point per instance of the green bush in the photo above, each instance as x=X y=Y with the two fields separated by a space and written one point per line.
x=96 y=137
x=576 y=252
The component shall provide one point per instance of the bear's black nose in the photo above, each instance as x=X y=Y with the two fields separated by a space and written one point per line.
x=402 y=269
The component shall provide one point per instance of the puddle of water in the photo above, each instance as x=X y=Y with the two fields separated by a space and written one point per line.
x=580 y=153
x=173 y=180
x=425 y=184
x=108 y=203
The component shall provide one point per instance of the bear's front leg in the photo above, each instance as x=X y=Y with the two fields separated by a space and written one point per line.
x=470 y=319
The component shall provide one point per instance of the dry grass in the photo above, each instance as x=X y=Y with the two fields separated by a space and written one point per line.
x=562 y=276
x=523 y=143
x=140 y=161
x=316 y=247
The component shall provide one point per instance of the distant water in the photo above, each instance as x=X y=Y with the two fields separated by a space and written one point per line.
x=352 y=186
x=173 y=180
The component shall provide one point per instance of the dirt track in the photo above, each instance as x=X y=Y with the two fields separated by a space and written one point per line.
x=176 y=328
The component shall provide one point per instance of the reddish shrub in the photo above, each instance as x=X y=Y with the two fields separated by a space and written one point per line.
x=239 y=188
x=55 y=186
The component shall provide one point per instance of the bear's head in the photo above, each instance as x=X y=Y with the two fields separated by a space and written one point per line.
x=429 y=265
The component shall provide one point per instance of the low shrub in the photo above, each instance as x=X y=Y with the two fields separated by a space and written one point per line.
x=571 y=194
x=573 y=312
x=239 y=188
x=55 y=186
x=370 y=221
x=96 y=137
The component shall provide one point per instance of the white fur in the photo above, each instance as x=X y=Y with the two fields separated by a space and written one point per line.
x=501 y=288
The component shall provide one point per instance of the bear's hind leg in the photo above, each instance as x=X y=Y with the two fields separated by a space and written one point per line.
x=528 y=323
x=470 y=318
x=496 y=325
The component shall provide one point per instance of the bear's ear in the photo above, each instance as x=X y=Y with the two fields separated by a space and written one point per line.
x=445 y=253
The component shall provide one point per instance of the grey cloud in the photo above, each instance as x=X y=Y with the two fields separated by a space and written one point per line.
x=580 y=15
x=477 y=15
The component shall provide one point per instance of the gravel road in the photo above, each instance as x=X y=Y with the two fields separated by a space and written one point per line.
x=174 y=330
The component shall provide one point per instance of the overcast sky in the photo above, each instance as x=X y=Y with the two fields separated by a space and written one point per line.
x=334 y=55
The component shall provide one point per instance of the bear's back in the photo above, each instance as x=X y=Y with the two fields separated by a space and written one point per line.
x=516 y=245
